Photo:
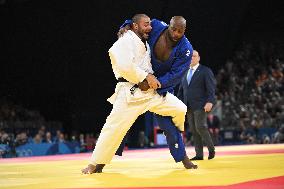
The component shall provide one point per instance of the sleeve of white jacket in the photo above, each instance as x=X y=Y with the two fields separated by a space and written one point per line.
x=122 y=58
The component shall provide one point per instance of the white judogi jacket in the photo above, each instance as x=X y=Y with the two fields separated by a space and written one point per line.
x=131 y=60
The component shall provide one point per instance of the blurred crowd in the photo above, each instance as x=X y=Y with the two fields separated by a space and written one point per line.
x=20 y=126
x=86 y=142
x=250 y=90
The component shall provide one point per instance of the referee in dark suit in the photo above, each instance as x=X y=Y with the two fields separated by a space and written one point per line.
x=197 y=91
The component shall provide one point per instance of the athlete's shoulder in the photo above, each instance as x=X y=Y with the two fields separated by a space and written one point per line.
x=185 y=42
x=126 y=38
x=156 y=22
x=185 y=47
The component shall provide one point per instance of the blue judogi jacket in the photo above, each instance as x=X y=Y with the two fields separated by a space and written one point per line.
x=170 y=72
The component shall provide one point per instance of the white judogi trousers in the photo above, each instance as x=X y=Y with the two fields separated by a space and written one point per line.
x=124 y=114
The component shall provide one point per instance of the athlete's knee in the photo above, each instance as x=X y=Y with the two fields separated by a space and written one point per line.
x=179 y=106
x=182 y=109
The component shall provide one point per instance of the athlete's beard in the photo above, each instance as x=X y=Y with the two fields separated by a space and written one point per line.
x=143 y=35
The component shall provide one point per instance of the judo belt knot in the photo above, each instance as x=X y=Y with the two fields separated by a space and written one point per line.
x=132 y=90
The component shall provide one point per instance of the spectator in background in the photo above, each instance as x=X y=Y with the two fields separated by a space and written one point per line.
x=5 y=139
x=48 y=138
x=279 y=135
x=82 y=143
x=42 y=131
x=213 y=124
x=37 y=139
x=21 y=139
x=56 y=138
x=61 y=138
x=90 y=142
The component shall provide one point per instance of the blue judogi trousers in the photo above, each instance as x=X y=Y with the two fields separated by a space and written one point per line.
x=173 y=136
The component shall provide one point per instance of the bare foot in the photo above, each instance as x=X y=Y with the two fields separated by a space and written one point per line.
x=188 y=164
x=90 y=169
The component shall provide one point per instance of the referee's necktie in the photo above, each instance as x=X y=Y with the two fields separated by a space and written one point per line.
x=189 y=76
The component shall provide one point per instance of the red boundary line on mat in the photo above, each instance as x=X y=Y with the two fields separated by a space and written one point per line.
x=269 y=183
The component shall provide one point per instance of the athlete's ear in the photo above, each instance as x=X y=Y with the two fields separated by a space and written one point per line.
x=135 y=26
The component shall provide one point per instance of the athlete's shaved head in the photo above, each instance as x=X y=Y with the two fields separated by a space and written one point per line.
x=179 y=20
x=137 y=17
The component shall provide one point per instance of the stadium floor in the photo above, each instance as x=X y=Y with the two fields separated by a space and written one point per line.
x=245 y=167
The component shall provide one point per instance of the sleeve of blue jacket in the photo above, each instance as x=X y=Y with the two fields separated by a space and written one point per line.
x=210 y=84
x=179 y=66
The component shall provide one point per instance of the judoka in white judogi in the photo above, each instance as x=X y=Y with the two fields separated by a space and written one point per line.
x=130 y=60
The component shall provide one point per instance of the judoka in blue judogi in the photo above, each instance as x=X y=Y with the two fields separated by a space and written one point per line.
x=171 y=54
